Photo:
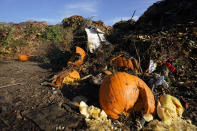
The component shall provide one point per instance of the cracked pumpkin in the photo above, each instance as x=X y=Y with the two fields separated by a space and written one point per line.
x=119 y=93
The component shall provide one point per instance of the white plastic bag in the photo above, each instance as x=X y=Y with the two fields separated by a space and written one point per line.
x=95 y=38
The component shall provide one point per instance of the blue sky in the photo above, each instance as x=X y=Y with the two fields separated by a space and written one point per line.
x=53 y=11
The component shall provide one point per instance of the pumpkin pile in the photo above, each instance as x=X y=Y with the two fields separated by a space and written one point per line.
x=67 y=77
x=119 y=93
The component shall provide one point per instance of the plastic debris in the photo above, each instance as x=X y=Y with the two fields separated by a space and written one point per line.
x=152 y=66
x=170 y=64
x=170 y=67
x=95 y=38
x=168 y=108
x=159 y=80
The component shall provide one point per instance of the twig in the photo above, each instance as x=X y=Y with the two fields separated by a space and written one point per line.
x=153 y=87
x=133 y=14
x=11 y=85
x=86 y=77
x=5 y=122
x=138 y=57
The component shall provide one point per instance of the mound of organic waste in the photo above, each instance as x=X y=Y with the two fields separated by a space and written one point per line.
x=143 y=77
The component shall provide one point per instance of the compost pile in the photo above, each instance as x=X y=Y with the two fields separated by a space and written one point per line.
x=160 y=49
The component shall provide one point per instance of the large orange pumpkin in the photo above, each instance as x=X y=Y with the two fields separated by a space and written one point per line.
x=119 y=93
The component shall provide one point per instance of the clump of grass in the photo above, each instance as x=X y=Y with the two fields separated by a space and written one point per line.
x=53 y=33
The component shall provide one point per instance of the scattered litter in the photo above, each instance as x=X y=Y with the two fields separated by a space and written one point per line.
x=152 y=66
x=170 y=64
x=158 y=80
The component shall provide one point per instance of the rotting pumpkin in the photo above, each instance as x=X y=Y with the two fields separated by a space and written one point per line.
x=119 y=93
x=74 y=61
x=121 y=61
x=65 y=78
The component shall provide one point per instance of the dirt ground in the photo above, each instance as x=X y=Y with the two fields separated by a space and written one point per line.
x=26 y=105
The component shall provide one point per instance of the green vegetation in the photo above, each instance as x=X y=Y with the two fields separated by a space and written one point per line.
x=34 y=28
x=10 y=40
x=32 y=33
x=53 y=33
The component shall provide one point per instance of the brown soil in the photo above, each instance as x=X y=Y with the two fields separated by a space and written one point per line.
x=26 y=105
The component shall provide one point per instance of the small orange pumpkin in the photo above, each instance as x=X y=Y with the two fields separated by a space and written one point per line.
x=23 y=57
x=121 y=61
x=77 y=61
x=119 y=93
